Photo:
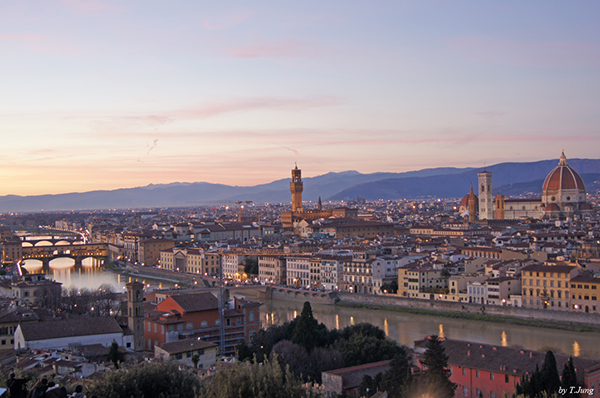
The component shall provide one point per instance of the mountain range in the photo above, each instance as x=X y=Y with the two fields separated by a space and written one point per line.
x=511 y=179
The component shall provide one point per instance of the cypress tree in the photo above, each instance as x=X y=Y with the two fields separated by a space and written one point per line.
x=569 y=378
x=549 y=374
x=436 y=378
x=399 y=376
x=305 y=332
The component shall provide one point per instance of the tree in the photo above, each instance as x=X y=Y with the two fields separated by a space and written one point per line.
x=569 y=378
x=251 y=266
x=436 y=377
x=114 y=355
x=293 y=357
x=549 y=374
x=368 y=386
x=305 y=332
x=397 y=381
x=195 y=360
x=244 y=352
x=144 y=380
x=359 y=349
x=266 y=380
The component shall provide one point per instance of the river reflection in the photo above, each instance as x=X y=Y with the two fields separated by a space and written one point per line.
x=90 y=275
x=406 y=328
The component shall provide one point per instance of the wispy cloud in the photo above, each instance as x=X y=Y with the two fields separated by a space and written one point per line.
x=151 y=147
x=292 y=150
x=117 y=124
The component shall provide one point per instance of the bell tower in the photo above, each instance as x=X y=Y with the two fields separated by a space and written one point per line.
x=296 y=189
x=486 y=204
x=135 y=313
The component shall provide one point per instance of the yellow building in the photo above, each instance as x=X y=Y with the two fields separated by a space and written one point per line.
x=547 y=286
x=584 y=291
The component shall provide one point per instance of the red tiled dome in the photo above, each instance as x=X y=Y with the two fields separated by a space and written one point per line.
x=551 y=207
x=563 y=177
x=585 y=206
x=465 y=201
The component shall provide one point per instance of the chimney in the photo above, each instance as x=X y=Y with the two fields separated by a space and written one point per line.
x=468 y=352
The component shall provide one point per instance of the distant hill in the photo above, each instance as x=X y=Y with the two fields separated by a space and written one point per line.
x=508 y=178
x=458 y=185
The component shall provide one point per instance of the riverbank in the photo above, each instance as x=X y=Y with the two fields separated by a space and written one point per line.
x=475 y=317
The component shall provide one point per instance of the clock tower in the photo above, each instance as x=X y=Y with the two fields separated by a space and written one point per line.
x=296 y=188
x=135 y=313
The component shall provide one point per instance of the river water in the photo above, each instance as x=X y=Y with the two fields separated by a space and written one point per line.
x=406 y=328
x=90 y=276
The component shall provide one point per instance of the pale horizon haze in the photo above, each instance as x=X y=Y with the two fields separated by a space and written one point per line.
x=104 y=94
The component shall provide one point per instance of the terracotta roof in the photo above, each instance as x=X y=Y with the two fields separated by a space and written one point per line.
x=193 y=302
x=179 y=346
x=505 y=360
x=352 y=376
x=69 y=328
x=563 y=177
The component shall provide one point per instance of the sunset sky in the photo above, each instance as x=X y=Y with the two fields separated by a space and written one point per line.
x=115 y=94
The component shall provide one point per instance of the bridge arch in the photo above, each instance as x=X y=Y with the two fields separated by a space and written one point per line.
x=62 y=243
x=43 y=243
x=33 y=265
x=62 y=262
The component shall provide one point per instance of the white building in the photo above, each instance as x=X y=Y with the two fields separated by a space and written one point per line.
x=298 y=271
x=80 y=331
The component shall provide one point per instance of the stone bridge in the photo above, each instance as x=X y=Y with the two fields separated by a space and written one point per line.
x=78 y=252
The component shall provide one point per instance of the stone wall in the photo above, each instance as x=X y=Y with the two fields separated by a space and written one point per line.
x=282 y=293
x=508 y=311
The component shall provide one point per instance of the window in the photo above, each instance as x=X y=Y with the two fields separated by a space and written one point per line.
x=506 y=378
x=477 y=374
x=204 y=324
x=491 y=375
x=251 y=315
x=465 y=391
x=189 y=326
x=178 y=356
x=155 y=328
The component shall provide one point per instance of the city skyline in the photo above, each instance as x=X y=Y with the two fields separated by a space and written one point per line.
x=104 y=95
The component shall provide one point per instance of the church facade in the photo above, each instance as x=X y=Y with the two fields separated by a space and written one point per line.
x=563 y=197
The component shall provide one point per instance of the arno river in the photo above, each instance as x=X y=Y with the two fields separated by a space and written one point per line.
x=404 y=328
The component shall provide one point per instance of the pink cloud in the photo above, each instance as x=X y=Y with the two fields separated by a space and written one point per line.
x=205 y=111
x=513 y=52
x=280 y=48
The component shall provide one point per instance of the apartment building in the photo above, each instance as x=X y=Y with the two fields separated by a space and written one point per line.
x=546 y=286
